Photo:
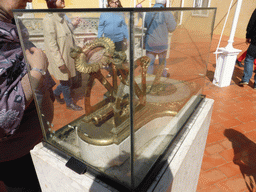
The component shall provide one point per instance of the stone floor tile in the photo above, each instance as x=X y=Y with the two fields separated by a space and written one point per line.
x=228 y=154
x=211 y=188
x=226 y=144
x=246 y=117
x=212 y=161
x=215 y=137
x=215 y=148
x=246 y=127
x=235 y=184
x=230 y=169
x=230 y=123
x=208 y=178
x=216 y=128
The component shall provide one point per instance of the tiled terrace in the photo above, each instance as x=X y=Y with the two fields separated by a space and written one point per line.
x=229 y=163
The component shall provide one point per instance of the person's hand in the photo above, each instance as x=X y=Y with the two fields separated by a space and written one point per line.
x=37 y=58
x=76 y=21
x=248 y=41
x=127 y=42
x=64 y=69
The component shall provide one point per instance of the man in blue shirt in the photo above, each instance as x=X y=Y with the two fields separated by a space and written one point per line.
x=113 y=26
x=158 y=25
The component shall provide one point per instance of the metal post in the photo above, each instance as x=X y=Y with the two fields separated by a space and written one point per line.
x=227 y=56
x=234 y=24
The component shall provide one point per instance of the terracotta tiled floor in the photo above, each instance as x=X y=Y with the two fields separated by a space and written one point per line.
x=229 y=163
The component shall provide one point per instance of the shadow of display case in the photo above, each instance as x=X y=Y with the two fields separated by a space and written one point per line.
x=131 y=114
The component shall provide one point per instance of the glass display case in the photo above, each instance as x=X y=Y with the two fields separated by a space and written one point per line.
x=128 y=109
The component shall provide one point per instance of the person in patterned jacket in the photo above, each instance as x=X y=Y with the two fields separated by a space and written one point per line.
x=19 y=124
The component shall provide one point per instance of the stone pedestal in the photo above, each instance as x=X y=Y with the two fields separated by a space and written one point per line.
x=225 y=66
x=180 y=173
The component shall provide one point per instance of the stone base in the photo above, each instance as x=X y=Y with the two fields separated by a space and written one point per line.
x=225 y=65
x=180 y=173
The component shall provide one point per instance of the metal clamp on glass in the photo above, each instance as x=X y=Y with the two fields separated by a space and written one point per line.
x=76 y=165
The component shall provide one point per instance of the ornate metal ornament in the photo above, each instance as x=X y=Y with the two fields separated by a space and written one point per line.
x=94 y=55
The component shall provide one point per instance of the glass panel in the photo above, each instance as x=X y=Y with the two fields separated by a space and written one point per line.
x=94 y=69
x=90 y=117
x=174 y=81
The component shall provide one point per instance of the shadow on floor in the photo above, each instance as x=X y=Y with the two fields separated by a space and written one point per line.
x=210 y=75
x=237 y=74
x=244 y=156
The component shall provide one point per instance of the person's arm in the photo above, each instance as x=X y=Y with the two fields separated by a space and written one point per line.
x=36 y=59
x=146 y=20
x=19 y=91
x=250 y=30
x=170 y=22
x=125 y=29
x=101 y=26
x=75 y=22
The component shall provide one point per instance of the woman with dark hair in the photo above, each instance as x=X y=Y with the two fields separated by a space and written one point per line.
x=113 y=3
x=58 y=38
x=113 y=26
x=19 y=124
x=51 y=4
